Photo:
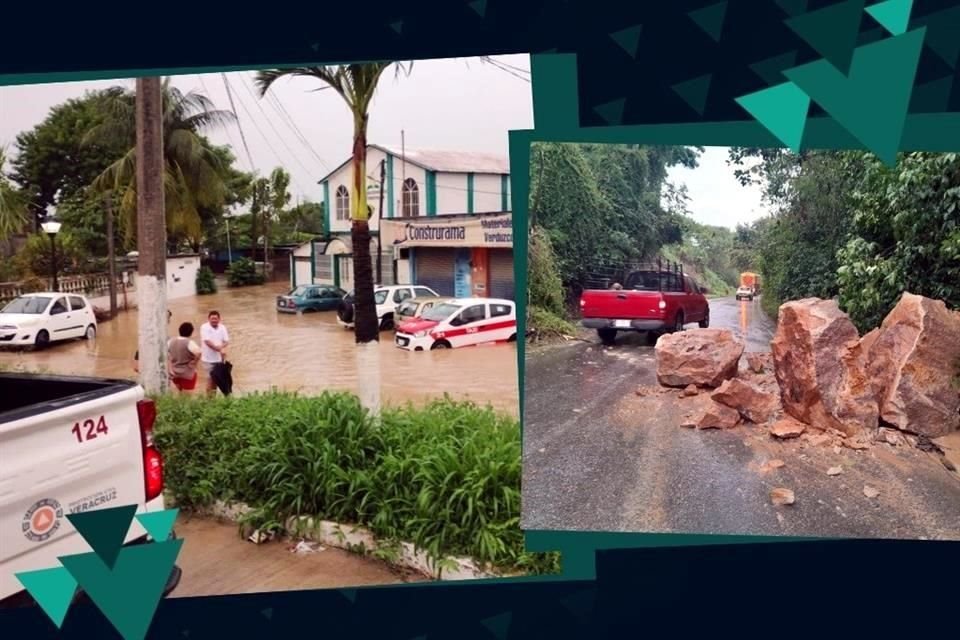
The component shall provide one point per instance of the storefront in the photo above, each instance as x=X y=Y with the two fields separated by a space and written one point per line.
x=457 y=255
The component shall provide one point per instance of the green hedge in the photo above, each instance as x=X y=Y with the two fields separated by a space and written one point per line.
x=445 y=476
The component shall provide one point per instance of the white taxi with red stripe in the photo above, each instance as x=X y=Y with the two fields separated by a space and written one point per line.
x=460 y=323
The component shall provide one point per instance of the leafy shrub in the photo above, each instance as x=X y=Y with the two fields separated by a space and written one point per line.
x=445 y=476
x=35 y=258
x=206 y=283
x=543 y=279
x=243 y=273
x=546 y=324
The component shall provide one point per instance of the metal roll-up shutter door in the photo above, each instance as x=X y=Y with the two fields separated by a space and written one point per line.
x=435 y=269
x=501 y=273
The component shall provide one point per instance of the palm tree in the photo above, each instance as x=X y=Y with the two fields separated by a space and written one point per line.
x=13 y=213
x=259 y=205
x=193 y=174
x=355 y=84
x=279 y=197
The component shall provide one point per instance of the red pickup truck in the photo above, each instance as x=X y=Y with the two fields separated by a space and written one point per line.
x=648 y=300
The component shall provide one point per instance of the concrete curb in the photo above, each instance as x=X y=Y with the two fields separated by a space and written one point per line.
x=359 y=540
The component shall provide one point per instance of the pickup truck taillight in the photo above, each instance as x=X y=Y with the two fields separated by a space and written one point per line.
x=152 y=461
x=583 y=302
x=662 y=305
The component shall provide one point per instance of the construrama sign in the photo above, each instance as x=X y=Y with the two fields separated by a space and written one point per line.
x=486 y=231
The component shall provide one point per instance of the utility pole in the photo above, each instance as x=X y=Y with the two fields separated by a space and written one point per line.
x=151 y=236
x=383 y=173
x=111 y=258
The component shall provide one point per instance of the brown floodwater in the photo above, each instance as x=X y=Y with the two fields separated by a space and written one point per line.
x=307 y=353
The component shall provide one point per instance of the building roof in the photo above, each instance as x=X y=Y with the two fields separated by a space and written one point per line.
x=443 y=161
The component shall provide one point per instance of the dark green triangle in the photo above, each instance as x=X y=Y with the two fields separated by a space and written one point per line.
x=267 y=613
x=871 y=103
x=771 y=69
x=104 y=529
x=612 y=112
x=581 y=604
x=943 y=28
x=349 y=594
x=53 y=589
x=397 y=26
x=498 y=625
x=831 y=31
x=793 y=7
x=894 y=15
x=782 y=110
x=694 y=92
x=629 y=39
x=870 y=36
x=932 y=97
x=128 y=594
x=480 y=6
x=315 y=46
x=710 y=19
x=158 y=524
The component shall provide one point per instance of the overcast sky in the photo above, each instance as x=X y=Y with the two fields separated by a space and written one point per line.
x=459 y=104
x=716 y=197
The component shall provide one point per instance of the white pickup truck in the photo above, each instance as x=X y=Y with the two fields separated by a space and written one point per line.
x=70 y=445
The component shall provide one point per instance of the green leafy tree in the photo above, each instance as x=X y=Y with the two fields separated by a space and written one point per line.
x=13 y=211
x=195 y=174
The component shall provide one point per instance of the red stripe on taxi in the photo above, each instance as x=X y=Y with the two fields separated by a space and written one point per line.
x=453 y=333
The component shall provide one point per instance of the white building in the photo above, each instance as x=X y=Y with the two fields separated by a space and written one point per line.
x=446 y=223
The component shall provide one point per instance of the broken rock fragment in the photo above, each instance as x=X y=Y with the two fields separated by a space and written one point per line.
x=718 y=416
x=821 y=369
x=702 y=357
x=914 y=362
x=755 y=362
x=753 y=404
x=781 y=496
x=690 y=390
x=787 y=427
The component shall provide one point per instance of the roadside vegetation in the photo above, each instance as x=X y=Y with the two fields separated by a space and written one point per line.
x=445 y=476
x=847 y=226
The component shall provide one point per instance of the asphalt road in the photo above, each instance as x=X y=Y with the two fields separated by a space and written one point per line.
x=598 y=457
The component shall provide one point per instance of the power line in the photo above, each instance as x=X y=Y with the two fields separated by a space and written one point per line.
x=270 y=122
x=233 y=108
x=226 y=129
x=288 y=119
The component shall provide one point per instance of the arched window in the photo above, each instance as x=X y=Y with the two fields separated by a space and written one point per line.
x=343 y=203
x=410 y=204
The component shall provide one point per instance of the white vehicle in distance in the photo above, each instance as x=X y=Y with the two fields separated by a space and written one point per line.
x=387 y=299
x=37 y=319
x=461 y=323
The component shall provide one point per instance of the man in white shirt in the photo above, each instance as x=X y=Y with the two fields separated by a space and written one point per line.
x=214 y=339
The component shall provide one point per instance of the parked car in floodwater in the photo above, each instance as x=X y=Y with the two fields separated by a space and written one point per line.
x=460 y=323
x=37 y=319
x=311 y=297
x=387 y=298
x=413 y=308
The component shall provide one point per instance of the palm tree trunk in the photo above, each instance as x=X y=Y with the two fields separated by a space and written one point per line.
x=151 y=236
x=366 y=323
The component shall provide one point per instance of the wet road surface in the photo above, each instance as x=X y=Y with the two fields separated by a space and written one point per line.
x=307 y=353
x=216 y=561
x=599 y=457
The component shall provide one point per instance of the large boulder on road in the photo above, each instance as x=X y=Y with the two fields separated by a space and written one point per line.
x=752 y=403
x=915 y=365
x=703 y=357
x=821 y=368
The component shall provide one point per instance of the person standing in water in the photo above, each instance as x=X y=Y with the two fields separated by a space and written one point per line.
x=183 y=354
x=214 y=339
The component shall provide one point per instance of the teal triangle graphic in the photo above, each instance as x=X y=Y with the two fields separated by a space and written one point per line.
x=831 y=31
x=397 y=26
x=629 y=39
x=710 y=19
x=129 y=594
x=894 y=15
x=159 y=524
x=782 y=110
x=498 y=625
x=694 y=92
x=932 y=97
x=349 y=594
x=942 y=29
x=793 y=7
x=268 y=613
x=53 y=589
x=870 y=36
x=480 y=6
x=104 y=529
x=771 y=69
x=612 y=112
x=871 y=104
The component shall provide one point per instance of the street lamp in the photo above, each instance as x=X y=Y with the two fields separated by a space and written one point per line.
x=51 y=227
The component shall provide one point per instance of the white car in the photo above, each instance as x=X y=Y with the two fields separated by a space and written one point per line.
x=387 y=299
x=460 y=323
x=745 y=293
x=37 y=319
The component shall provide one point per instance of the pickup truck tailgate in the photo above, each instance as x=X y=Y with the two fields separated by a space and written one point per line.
x=599 y=303
x=60 y=458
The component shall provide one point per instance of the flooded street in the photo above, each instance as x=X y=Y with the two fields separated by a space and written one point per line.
x=307 y=354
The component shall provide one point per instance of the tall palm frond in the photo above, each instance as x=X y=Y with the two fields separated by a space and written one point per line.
x=13 y=210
